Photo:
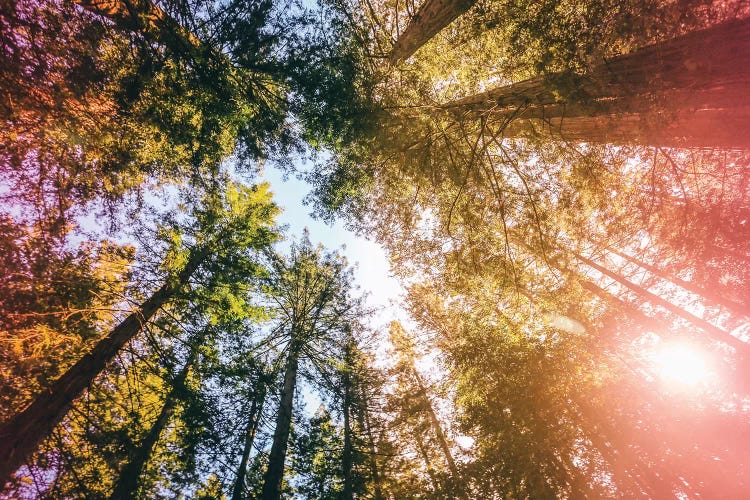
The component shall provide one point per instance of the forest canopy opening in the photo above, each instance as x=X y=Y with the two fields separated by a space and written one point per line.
x=561 y=190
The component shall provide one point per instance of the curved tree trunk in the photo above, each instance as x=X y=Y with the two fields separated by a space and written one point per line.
x=127 y=484
x=693 y=90
x=431 y=17
x=253 y=419
x=20 y=436
x=275 y=472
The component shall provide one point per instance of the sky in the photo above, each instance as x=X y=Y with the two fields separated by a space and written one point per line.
x=371 y=268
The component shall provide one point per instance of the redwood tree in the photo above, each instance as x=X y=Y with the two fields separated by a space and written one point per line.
x=431 y=17
x=688 y=91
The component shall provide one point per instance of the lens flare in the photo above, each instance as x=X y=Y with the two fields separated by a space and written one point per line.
x=681 y=364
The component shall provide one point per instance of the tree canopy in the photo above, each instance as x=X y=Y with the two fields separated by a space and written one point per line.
x=562 y=188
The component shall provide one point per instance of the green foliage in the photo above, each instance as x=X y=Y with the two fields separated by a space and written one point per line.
x=339 y=187
x=316 y=458
x=94 y=111
x=55 y=301
x=540 y=269
x=212 y=489
x=332 y=79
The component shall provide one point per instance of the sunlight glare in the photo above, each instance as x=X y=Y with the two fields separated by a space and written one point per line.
x=681 y=364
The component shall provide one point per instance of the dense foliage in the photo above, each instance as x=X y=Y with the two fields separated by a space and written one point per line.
x=562 y=187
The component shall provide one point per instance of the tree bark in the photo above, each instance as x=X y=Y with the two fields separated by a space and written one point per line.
x=20 y=436
x=127 y=484
x=256 y=410
x=275 y=472
x=693 y=90
x=431 y=17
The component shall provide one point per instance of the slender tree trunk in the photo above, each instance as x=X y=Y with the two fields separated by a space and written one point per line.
x=127 y=484
x=693 y=90
x=427 y=462
x=373 y=452
x=256 y=410
x=711 y=296
x=20 y=436
x=742 y=348
x=435 y=423
x=346 y=458
x=431 y=17
x=275 y=472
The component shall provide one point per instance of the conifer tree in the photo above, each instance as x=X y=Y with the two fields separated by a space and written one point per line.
x=312 y=292
x=234 y=223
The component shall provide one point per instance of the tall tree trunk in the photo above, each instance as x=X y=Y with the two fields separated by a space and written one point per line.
x=145 y=17
x=20 y=436
x=373 y=451
x=693 y=90
x=710 y=295
x=742 y=348
x=275 y=472
x=431 y=17
x=427 y=463
x=346 y=458
x=253 y=419
x=435 y=423
x=127 y=484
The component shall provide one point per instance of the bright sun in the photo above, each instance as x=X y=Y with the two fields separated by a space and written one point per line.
x=681 y=364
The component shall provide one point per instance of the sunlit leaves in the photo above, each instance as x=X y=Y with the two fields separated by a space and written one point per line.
x=54 y=303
